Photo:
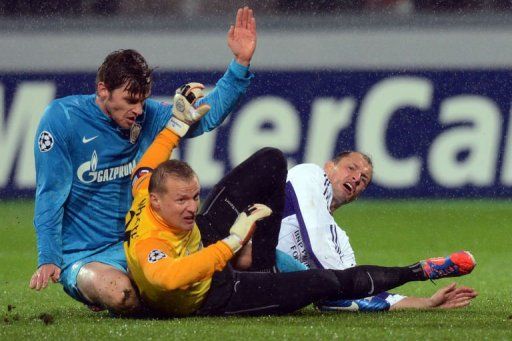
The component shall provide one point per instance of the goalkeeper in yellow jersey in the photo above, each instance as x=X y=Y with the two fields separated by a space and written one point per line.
x=177 y=276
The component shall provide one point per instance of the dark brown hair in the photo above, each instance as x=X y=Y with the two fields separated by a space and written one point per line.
x=176 y=168
x=126 y=66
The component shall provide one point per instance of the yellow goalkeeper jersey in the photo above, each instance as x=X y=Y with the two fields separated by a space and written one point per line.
x=169 y=266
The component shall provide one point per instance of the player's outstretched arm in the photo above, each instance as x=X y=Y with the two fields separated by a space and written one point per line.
x=448 y=297
x=242 y=36
x=184 y=115
x=230 y=88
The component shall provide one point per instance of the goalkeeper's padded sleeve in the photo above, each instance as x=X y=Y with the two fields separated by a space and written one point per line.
x=172 y=273
x=159 y=151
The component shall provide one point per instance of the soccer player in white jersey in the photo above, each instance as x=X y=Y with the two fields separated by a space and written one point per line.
x=310 y=238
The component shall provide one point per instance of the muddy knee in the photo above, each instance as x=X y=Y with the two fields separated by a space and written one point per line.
x=108 y=287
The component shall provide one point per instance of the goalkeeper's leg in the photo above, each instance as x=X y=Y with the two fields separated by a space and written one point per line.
x=259 y=179
x=256 y=293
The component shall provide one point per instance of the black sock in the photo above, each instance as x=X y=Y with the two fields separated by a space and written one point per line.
x=368 y=280
x=417 y=273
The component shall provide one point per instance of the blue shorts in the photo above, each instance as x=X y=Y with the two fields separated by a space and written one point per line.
x=286 y=263
x=113 y=255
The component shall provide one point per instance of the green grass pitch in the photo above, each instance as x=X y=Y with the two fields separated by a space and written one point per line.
x=381 y=232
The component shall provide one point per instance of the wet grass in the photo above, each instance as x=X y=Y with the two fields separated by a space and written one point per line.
x=382 y=232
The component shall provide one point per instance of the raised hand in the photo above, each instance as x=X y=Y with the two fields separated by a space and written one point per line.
x=242 y=36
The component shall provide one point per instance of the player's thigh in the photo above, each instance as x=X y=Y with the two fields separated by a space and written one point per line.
x=259 y=179
x=254 y=180
x=103 y=283
x=261 y=174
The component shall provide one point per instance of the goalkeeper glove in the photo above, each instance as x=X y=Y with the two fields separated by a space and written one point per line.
x=183 y=112
x=244 y=226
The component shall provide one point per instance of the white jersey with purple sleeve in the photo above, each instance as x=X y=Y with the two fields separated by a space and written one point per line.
x=310 y=234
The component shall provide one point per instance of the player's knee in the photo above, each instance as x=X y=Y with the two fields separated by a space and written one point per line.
x=273 y=156
x=123 y=298
x=108 y=288
x=124 y=302
x=273 y=162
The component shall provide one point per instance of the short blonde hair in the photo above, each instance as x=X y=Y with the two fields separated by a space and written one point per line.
x=175 y=168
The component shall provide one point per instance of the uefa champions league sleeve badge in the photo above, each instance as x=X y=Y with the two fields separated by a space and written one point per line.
x=135 y=132
x=156 y=255
x=45 y=141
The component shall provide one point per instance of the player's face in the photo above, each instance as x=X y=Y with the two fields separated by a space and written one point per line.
x=179 y=205
x=349 y=178
x=120 y=105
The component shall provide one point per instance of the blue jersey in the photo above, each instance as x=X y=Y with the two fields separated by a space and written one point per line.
x=83 y=166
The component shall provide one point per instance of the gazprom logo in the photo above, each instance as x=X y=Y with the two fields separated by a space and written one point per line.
x=88 y=173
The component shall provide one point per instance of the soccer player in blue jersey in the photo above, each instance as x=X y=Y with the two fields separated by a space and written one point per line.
x=86 y=147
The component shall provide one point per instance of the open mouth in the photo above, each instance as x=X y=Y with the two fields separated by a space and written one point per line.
x=348 y=187
x=189 y=219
